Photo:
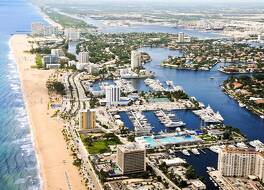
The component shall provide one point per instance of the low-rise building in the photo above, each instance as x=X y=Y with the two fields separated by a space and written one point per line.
x=197 y=184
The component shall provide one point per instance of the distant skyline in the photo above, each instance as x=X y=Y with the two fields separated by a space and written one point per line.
x=157 y=1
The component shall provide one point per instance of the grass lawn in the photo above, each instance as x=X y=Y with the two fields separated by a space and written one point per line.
x=207 y=138
x=100 y=144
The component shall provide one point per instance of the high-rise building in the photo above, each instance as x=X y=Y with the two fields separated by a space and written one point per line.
x=57 y=52
x=72 y=34
x=241 y=162
x=181 y=37
x=260 y=37
x=87 y=119
x=83 y=57
x=37 y=29
x=131 y=158
x=112 y=95
x=50 y=30
x=135 y=59
x=51 y=61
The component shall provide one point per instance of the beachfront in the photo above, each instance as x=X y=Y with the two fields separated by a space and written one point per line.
x=55 y=161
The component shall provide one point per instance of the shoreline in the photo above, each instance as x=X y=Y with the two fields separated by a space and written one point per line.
x=48 y=140
x=12 y=57
x=247 y=107
x=47 y=18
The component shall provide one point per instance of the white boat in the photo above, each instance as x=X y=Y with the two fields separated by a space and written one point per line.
x=215 y=149
x=175 y=124
x=256 y=143
x=209 y=169
x=169 y=83
x=185 y=152
x=241 y=145
x=195 y=151
x=242 y=105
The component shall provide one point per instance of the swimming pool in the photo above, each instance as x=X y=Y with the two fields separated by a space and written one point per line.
x=154 y=141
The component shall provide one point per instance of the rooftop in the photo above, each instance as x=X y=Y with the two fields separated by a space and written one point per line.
x=131 y=147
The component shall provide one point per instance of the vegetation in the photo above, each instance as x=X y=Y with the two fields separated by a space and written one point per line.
x=40 y=50
x=66 y=21
x=204 y=54
x=77 y=162
x=94 y=102
x=107 y=47
x=190 y=173
x=170 y=95
x=39 y=63
x=248 y=90
x=96 y=145
x=56 y=87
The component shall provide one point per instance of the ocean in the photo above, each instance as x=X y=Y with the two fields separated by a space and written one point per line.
x=18 y=163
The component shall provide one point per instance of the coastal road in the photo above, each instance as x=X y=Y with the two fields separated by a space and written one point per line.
x=161 y=174
x=85 y=158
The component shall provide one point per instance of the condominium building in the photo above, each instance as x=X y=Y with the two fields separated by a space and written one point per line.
x=72 y=34
x=260 y=37
x=83 y=57
x=131 y=158
x=39 y=29
x=50 y=30
x=241 y=162
x=135 y=59
x=181 y=37
x=57 y=52
x=87 y=119
x=112 y=95
x=51 y=61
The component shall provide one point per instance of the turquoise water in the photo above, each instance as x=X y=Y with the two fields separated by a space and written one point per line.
x=18 y=164
x=150 y=141
x=168 y=140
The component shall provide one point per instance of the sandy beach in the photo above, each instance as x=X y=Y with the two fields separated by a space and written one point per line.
x=55 y=160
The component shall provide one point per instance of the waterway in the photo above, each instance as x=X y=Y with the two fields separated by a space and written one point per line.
x=101 y=27
x=208 y=91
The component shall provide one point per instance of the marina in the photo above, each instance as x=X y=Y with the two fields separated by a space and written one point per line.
x=185 y=152
x=140 y=123
x=125 y=85
x=155 y=85
x=209 y=116
x=169 y=119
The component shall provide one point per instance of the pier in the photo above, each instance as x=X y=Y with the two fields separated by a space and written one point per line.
x=141 y=125
x=169 y=119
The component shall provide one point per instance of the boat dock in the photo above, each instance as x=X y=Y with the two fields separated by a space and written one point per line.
x=209 y=116
x=168 y=119
x=125 y=85
x=140 y=123
x=155 y=85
